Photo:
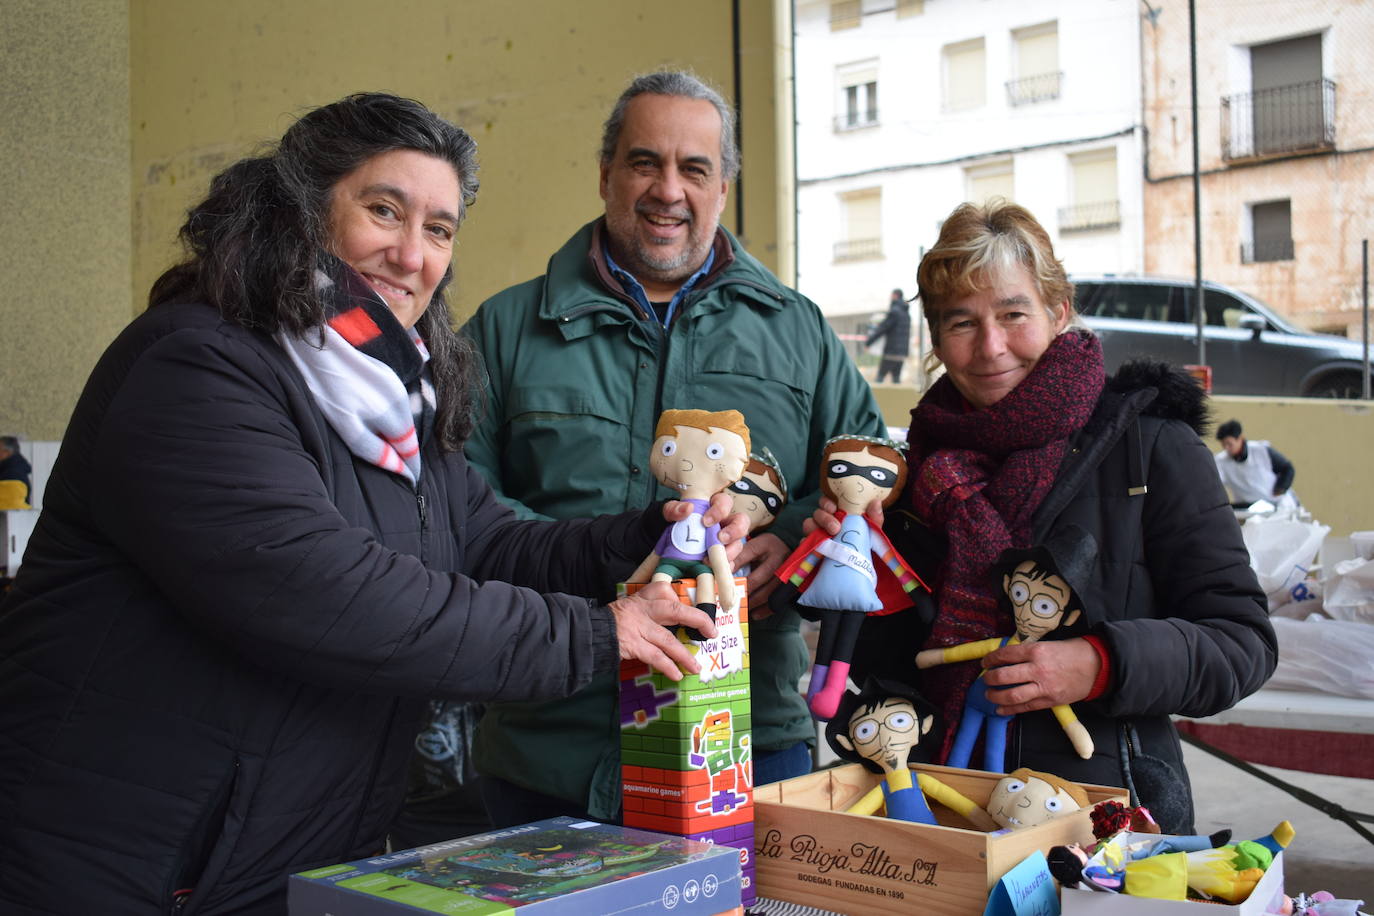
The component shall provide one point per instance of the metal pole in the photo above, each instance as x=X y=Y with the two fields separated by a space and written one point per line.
x=1364 y=299
x=1199 y=305
x=920 y=330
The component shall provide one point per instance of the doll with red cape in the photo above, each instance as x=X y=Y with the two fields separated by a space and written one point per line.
x=836 y=579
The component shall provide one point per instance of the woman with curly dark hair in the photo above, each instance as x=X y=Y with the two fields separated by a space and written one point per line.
x=261 y=549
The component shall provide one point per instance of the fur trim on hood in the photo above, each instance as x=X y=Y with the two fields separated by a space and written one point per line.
x=1179 y=395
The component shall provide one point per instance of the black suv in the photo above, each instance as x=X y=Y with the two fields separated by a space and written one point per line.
x=1249 y=348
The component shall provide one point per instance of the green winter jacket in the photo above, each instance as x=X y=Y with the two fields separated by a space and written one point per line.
x=578 y=377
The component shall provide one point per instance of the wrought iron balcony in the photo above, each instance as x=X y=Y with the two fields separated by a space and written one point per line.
x=1286 y=119
x=854 y=120
x=1104 y=214
x=1271 y=250
x=858 y=249
x=1038 y=88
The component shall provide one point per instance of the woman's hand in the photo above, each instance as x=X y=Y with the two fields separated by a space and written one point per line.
x=1039 y=675
x=824 y=516
x=641 y=628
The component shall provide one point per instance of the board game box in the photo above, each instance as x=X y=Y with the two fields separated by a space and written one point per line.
x=556 y=865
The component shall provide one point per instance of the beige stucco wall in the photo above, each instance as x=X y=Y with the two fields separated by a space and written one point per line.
x=1329 y=442
x=64 y=236
x=1331 y=193
x=118 y=114
x=531 y=81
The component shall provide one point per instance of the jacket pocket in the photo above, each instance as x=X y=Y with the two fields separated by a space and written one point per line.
x=189 y=873
x=549 y=436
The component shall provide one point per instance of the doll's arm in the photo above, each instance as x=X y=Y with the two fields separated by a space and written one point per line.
x=904 y=574
x=1078 y=734
x=869 y=803
x=725 y=577
x=805 y=568
x=644 y=571
x=955 y=801
x=964 y=652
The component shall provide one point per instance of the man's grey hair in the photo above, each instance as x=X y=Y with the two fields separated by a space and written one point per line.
x=684 y=85
x=10 y=443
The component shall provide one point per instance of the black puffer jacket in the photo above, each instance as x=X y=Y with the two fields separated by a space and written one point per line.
x=1171 y=592
x=216 y=655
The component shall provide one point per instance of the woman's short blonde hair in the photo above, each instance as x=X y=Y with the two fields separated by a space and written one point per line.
x=977 y=241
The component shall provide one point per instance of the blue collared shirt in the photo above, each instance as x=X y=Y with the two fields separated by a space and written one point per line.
x=633 y=287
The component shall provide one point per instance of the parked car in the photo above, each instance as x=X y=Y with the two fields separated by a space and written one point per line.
x=1250 y=349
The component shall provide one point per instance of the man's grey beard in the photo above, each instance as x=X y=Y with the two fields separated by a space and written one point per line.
x=676 y=268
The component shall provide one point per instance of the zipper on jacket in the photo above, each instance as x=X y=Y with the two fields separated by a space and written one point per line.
x=424 y=511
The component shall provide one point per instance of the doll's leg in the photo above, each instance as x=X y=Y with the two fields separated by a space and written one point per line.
x=706 y=602
x=977 y=710
x=969 y=725
x=846 y=627
x=825 y=649
x=995 y=744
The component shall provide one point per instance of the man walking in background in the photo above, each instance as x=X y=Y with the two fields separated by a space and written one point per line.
x=895 y=329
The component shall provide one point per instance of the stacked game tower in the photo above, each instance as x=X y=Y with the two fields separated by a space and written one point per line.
x=685 y=750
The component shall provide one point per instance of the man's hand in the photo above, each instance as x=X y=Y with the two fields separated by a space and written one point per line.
x=641 y=622
x=1039 y=675
x=764 y=553
x=824 y=516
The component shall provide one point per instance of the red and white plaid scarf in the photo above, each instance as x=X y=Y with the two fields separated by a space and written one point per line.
x=367 y=373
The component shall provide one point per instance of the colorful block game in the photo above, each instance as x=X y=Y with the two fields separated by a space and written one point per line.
x=685 y=749
x=559 y=865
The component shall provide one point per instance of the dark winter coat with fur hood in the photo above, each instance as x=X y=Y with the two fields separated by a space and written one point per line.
x=1170 y=592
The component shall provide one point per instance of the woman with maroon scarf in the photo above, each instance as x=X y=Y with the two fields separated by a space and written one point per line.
x=1024 y=440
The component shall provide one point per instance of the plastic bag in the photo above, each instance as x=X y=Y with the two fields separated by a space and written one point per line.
x=1331 y=656
x=1350 y=591
x=1281 y=552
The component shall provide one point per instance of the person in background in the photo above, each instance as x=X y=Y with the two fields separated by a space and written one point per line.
x=262 y=551
x=14 y=466
x=1252 y=470
x=1025 y=440
x=652 y=305
x=895 y=331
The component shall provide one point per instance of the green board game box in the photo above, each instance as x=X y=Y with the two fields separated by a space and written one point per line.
x=558 y=865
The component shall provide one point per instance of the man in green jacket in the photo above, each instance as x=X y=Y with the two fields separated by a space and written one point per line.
x=652 y=306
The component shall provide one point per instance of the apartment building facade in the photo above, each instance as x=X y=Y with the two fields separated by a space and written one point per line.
x=1286 y=142
x=907 y=108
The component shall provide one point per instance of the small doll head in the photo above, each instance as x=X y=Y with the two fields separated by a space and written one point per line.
x=1024 y=798
x=880 y=725
x=857 y=470
x=762 y=492
x=698 y=453
x=1040 y=600
x=1037 y=582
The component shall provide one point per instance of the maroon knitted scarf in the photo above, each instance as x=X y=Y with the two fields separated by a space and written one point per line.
x=980 y=476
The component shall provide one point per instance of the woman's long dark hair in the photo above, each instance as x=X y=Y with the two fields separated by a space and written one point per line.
x=255 y=241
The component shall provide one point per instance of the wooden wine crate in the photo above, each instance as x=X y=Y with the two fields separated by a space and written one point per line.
x=809 y=851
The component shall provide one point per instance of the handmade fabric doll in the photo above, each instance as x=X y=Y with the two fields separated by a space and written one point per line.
x=1024 y=798
x=1040 y=600
x=837 y=578
x=760 y=494
x=696 y=453
x=1168 y=867
x=879 y=727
